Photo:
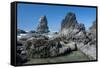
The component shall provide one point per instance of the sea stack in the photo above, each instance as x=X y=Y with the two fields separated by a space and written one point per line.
x=69 y=21
x=43 y=25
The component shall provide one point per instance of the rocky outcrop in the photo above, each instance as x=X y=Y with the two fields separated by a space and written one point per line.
x=42 y=48
x=43 y=25
x=70 y=26
x=71 y=30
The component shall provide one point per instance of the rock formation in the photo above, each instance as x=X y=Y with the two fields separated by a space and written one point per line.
x=71 y=30
x=43 y=48
x=69 y=21
x=43 y=25
x=90 y=48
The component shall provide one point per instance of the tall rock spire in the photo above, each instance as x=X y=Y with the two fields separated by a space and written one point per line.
x=43 y=25
x=69 y=21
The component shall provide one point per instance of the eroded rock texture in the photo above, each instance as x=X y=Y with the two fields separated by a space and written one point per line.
x=42 y=48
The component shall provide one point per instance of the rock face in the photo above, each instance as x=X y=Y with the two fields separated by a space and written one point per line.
x=42 y=27
x=69 y=21
x=70 y=26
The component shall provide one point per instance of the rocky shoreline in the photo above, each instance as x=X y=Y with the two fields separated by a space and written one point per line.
x=41 y=43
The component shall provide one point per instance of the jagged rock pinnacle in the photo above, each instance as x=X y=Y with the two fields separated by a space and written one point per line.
x=43 y=25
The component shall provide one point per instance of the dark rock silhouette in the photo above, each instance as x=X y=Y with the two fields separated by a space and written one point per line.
x=43 y=25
